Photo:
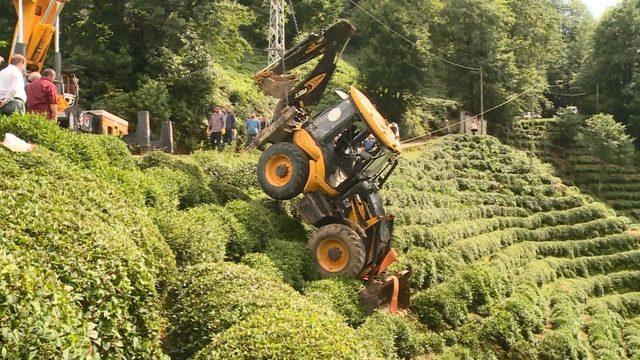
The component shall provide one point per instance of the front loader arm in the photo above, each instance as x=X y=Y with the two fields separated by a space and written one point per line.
x=329 y=44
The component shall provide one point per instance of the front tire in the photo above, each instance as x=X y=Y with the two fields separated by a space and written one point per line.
x=338 y=251
x=283 y=171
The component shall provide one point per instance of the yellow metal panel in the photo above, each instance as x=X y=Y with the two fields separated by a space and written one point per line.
x=377 y=123
x=317 y=170
x=38 y=31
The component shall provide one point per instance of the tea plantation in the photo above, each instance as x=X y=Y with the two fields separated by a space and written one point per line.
x=614 y=184
x=104 y=256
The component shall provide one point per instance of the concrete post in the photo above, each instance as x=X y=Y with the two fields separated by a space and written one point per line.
x=143 y=132
x=166 y=137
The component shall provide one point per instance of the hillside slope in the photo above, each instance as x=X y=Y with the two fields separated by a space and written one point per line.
x=614 y=184
x=507 y=261
x=183 y=255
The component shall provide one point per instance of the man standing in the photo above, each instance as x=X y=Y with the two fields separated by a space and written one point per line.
x=230 y=129
x=12 y=93
x=253 y=127
x=42 y=95
x=216 y=125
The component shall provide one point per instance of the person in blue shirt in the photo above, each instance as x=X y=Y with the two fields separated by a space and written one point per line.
x=253 y=128
x=370 y=143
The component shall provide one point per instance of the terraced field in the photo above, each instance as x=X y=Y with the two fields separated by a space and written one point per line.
x=103 y=255
x=510 y=263
x=617 y=186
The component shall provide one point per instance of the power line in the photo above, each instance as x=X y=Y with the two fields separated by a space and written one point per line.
x=513 y=98
x=410 y=41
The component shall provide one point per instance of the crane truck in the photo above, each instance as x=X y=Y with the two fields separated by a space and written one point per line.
x=38 y=26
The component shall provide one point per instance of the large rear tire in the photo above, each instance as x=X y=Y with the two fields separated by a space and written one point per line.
x=283 y=171
x=338 y=251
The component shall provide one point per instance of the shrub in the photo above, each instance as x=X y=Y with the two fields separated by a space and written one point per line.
x=108 y=255
x=194 y=188
x=299 y=331
x=196 y=235
x=228 y=168
x=262 y=263
x=207 y=299
x=340 y=294
x=258 y=221
x=399 y=337
x=38 y=315
x=265 y=223
x=294 y=261
x=561 y=344
x=85 y=150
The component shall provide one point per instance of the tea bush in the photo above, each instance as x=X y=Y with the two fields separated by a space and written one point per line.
x=108 y=256
x=196 y=235
x=299 y=331
x=207 y=299
x=340 y=294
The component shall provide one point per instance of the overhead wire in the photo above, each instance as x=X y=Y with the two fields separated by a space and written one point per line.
x=513 y=98
x=409 y=40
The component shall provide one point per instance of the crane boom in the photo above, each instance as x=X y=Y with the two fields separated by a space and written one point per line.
x=35 y=29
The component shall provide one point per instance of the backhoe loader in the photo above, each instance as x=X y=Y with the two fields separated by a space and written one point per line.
x=323 y=158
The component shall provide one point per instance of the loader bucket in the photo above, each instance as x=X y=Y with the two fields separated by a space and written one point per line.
x=391 y=293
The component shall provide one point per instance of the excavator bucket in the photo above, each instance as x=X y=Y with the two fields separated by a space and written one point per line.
x=391 y=293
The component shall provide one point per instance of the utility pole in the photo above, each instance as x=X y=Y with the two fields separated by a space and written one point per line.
x=276 y=30
x=597 y=98
x=482 y=93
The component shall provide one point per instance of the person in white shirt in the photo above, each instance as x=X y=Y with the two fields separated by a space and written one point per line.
x=12 y=86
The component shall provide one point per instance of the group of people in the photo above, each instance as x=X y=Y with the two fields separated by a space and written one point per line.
x=223 y=127
x=37 y=94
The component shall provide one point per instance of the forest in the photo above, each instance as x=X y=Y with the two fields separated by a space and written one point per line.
x=178 y=58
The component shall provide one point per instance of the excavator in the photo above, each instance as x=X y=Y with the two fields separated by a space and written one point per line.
x=323 y=159
x=38 y=26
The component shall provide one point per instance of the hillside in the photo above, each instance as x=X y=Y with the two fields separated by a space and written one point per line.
x=184 y=256
x=614 y=184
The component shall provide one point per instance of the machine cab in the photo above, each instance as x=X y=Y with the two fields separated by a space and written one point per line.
x=356 y=141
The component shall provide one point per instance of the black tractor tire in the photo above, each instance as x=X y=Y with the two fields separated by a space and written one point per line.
x=338 y=251
x=283 y=171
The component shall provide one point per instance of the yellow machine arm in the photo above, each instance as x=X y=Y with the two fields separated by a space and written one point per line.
x=38 y=28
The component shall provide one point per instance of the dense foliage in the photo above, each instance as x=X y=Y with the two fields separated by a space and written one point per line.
x=177 y=58
x=144 y=257
x=594 y=153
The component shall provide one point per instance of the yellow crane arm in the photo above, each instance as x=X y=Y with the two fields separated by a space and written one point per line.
x=38 y=28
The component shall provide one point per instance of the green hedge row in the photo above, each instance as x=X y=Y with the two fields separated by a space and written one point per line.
x=437 y=216
x=108 y=256
x=590 y=247
x=533 y=228
x=631 y=335
x=604 y=330
x=209 y=298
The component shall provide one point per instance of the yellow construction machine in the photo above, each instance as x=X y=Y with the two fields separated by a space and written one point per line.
x=324 y=159
x=38 y=26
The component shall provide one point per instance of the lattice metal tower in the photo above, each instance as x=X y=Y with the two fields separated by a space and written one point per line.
x=276 y=30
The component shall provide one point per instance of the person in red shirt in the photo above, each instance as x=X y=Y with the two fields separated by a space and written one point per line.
x=42 y=95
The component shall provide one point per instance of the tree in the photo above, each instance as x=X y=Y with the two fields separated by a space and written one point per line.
x=606 y=139
x=390 y=66
x=474 y=33
x=156 y=53
x=576 y=25
x=613 y=65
